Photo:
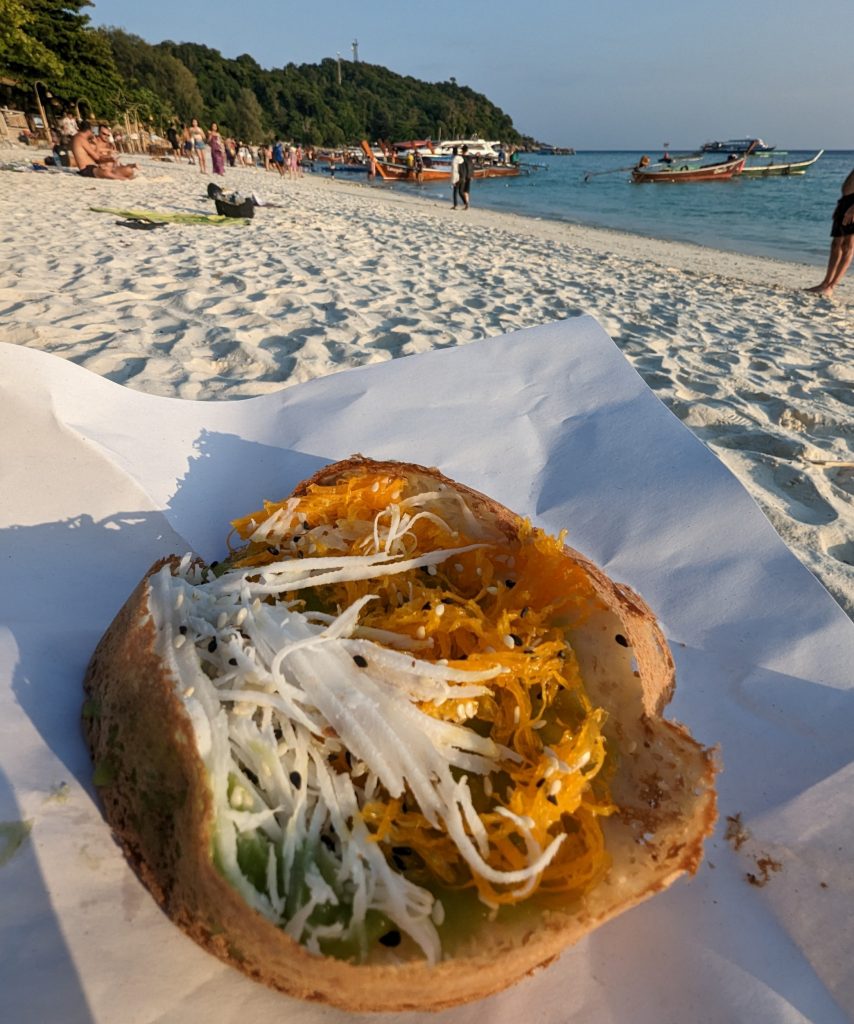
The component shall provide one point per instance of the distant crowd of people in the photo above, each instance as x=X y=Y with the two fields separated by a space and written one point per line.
x=193 y=144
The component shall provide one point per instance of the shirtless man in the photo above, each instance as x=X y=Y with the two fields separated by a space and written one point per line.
x=92 y=162
x=842 y=244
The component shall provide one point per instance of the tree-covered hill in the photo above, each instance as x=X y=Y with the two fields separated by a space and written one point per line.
x=336 y=102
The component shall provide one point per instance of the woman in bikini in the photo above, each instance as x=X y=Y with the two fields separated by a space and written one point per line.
x=197 y=137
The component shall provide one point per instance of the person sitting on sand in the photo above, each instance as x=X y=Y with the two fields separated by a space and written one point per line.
x=842 y=240
x=91 y=160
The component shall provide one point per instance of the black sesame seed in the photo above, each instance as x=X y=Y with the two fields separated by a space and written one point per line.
x=306 y=527
x=273 y=551
x=361 y=661
x=510 y=584
x=212 y=645
x=540 y=782
x=402 y=851
x=327 y=841
x=517 y=640
x=426 y=606
x=233 y=661
x=398 y=862
x=391 y=938
x=552 y=800
x=296 y=779
x=621 y=640
x=524 y=611
x=182 y=630
x=348 y=757
x=561 y=655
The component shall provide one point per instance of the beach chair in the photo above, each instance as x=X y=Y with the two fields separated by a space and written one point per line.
x=5 y=137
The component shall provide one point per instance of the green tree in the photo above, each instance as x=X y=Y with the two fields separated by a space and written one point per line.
x=20 y=52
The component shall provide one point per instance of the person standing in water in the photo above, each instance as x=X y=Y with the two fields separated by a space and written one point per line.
x=842 y=240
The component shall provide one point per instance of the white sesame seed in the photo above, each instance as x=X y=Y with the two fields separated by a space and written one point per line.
x=492 y=590
x=256 y=604
x=479 y=571
x=240 y=618
x=180 y=640
x=189 y=691
x=458 y=566
x=375 y=486
x=420 y=633
x=555 y=787
x=431 y=570
x=437 y=913
x=179 y=599
x=517 y=714
x=540 y=725
x=487 y=786
x=440 y=610
x=221 y=620
x=508 y=640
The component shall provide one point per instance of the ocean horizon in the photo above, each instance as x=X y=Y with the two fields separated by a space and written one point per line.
x=784 y=218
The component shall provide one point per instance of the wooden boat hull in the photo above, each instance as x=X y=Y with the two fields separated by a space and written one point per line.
x=390 y=170
x=780 y=170
x=679 y=173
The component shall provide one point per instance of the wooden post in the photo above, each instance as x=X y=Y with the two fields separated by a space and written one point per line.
x=45 y=128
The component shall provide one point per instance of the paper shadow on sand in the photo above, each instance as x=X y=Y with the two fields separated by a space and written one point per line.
x=64 y=581
x=29 y=983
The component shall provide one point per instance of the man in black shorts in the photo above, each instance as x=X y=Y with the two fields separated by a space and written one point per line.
x=842 y=245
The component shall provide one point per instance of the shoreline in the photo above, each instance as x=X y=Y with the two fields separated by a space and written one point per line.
x=748 y=267
x=341 y=274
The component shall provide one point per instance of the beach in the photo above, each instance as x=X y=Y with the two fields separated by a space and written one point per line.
x=339 y=274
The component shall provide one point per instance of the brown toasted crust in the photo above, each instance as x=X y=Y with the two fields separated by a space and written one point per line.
x=156 y=799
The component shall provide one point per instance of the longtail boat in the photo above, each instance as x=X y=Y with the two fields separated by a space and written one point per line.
x=774 y=170
x=394 y=170
x=682 y=172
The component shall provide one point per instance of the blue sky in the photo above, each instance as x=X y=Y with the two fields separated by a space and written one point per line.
x=594 y=74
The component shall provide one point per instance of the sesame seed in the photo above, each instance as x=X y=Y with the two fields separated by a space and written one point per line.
x=180 y=640
x=621 y=640
x=232 y=661
x=458 y=566
x=420 y=633
x=398 y=862
x=508 y=640
x=391 y=938
x=182 y=630
x=437 y=913
x=431 y=570
x=360 y=660
x=517 y=714
x=296 y=779
x=487 y=786
x=240 y=618
x=179 y=600
x=375 y=486
x=212 y=645
x=440 y=610
x=222 y=618
x=510 y=584
x=492 y=590
x=555 y=787
x=552 y=799
x=189 y=691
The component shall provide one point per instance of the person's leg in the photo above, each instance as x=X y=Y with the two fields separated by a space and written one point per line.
x=833 y=261
x=844 y=261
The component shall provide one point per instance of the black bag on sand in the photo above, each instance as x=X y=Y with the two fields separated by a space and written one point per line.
x=246 y=208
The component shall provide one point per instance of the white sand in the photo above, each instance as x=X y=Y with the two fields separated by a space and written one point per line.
x=346 y=275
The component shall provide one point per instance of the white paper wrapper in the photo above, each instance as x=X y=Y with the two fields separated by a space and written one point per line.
x=98 y=481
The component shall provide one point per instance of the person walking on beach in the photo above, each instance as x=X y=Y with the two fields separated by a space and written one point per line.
x=466 y=171
x=217 y=145
x=456 y=163
x=197 y=136
x=842 y=240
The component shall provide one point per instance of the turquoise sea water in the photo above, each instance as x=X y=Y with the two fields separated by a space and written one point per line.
x=786 y=218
